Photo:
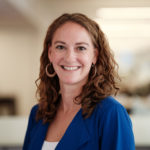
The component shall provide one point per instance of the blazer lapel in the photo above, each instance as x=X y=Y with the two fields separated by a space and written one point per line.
x=39 y=136
x=76 y=134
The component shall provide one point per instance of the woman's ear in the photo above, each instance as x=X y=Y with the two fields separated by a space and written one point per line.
x=49 y=53
x=95 y=56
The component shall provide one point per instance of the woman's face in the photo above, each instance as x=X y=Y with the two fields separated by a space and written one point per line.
x=72 y=53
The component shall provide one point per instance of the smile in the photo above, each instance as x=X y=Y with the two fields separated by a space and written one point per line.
x=70 y=68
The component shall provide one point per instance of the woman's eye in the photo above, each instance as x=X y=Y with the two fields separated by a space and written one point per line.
x=60 y=47
x=81 y=48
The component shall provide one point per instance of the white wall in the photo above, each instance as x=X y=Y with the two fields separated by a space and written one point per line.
x=19 y=64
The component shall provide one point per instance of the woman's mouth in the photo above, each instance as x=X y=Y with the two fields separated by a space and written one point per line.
x=71 y=68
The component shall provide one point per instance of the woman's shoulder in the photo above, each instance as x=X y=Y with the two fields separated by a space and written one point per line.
x=110 y=106
x=114 y=125
x=110 y=109
x=109 y=102
x=34 y=108
x=33 y=111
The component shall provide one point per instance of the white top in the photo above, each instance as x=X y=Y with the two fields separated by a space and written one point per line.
x=49 y=145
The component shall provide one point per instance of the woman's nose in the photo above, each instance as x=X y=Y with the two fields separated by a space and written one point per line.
x=70 y=55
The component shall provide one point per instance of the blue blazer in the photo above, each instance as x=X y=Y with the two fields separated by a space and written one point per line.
x=108 y=128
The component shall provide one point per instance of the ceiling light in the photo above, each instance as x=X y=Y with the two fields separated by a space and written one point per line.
x=124 y=13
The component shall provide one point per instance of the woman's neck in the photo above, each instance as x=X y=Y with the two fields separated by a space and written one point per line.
x=68 y=94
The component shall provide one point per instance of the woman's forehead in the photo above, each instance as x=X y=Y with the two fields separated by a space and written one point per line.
x=72 y=31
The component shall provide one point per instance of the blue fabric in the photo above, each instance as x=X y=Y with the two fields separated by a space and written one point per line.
x=108 y=128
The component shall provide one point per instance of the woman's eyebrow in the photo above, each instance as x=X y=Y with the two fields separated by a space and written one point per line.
x=56 y=42
x=80 y=43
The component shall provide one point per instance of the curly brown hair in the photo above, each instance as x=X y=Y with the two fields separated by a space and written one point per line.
x=101 y=84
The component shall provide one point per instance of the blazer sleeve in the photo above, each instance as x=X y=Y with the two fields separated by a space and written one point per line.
x=30 y=125
x=116 y=131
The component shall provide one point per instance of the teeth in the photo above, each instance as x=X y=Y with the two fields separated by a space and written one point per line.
x=70 y=68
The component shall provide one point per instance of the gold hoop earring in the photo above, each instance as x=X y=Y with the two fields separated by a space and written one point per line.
x=94 y=69
x=51 y=75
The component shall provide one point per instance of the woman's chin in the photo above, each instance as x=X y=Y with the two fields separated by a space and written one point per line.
x=73 y=81
x=69 y=82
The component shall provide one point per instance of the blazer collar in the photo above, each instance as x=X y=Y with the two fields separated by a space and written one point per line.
x=38 y=135
x=75 y=135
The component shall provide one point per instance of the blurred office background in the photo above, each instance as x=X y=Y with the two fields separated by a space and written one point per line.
x=23 y=24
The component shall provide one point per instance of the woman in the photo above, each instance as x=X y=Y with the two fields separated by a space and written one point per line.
x=77 y=78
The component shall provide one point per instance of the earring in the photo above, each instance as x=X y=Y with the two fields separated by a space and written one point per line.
x=49 y=74
x=94 y=70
